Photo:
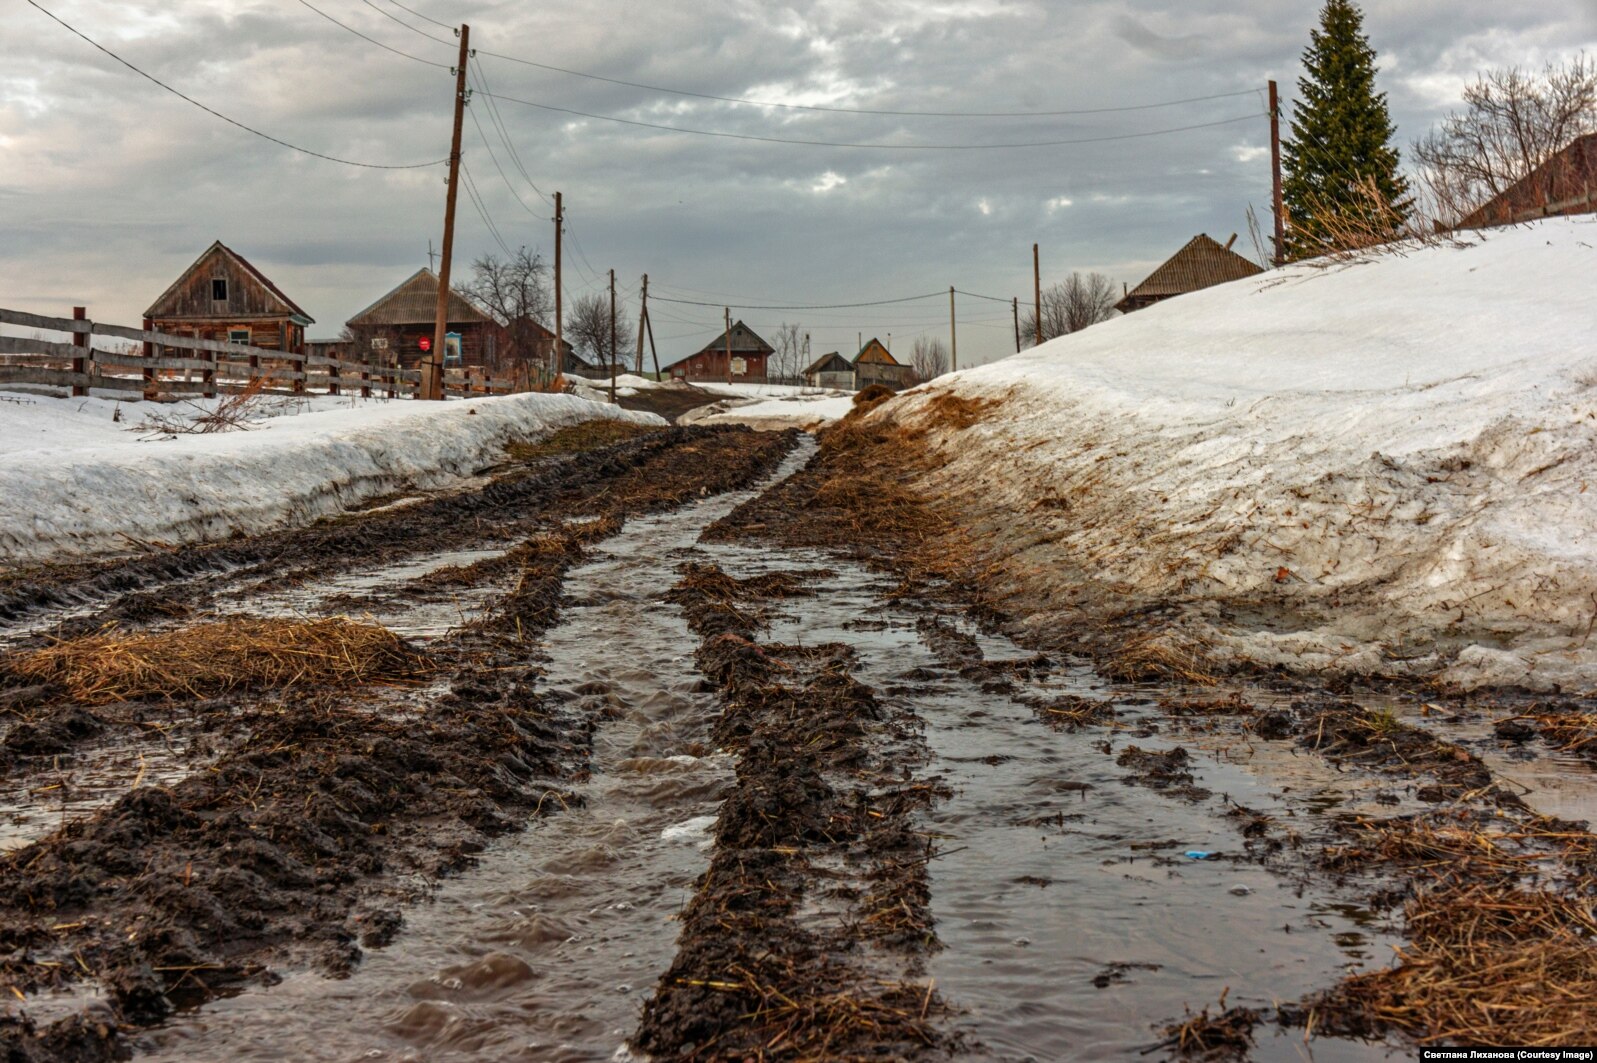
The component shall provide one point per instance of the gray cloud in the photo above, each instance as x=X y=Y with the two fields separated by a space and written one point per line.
x=111 y=186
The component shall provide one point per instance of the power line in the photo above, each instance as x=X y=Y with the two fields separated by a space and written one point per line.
x=408 y=26
x=815 y=306
x=373 y=40
x=482 y=210
x=863 y=110
x=877 y=146
x=504 y=132
x=974 y=295
x=218 y=114
x=418 y=14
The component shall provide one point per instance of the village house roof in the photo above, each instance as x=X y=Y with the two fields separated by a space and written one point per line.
x=162 y=306
x=415 y=302
x=821 y=363
x=878 y=352
x=1202 y=263
x=744 y=341
x=1564 y=184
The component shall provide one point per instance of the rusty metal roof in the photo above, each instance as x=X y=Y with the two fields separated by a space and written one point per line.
x=415 y=302
x=1202 y=263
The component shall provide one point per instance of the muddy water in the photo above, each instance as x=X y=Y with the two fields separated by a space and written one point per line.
x=545 y=949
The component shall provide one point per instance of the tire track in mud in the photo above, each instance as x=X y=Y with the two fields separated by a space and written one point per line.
x=289 y=848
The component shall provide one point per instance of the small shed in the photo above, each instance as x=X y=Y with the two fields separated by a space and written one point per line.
x=830 y=371
x=223 y=297
x=1564 y=184
x=749 y=355
x=875 y=364
x=1202 y=263
x=391 y=330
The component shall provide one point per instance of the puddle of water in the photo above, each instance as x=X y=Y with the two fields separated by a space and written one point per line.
x=546 y=949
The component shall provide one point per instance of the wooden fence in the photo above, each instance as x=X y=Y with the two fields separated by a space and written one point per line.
x=212 y=367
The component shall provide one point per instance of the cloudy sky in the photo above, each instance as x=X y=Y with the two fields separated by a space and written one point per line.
x=111 y=186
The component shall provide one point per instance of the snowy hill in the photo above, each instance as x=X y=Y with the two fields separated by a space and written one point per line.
x=1387 y=465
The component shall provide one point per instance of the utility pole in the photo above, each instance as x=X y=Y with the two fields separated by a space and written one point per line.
x=1275 y=175
x=953 y=334
x=649 y=325
x=643 y=317
x=612 y=337
x=431 y=256
x=1015 y=306
x=560 y=329
x=728 y=312
x=432 y=374
x=1036 y=290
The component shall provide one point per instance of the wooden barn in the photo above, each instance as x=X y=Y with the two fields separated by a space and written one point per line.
x=830 y=371
x=1202 y=263
x=222 y=297
x=395 y=326
x=750 y=355
x=1564 y=184
x=875 y=364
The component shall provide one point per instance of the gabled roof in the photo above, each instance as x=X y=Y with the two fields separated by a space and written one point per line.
x=1202 y=263
x=1564 y=184
x=415 y=302
x=744 y=341
x=244 y=265
x=873 y=342
x=821 y=363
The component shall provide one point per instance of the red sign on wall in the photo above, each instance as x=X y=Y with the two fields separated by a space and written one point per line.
x=425 y=343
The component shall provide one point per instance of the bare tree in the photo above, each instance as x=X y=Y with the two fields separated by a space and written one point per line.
x=514 y=292
x=788 y=361
x=588 y=329
x=1079 y=301
x=1512 y=123
x=929 y=356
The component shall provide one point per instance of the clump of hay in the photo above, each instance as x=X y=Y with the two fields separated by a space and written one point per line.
x=870 y=397
x=957 y=411
x=1486 y=965
x=1158 y=657
x=210 y=659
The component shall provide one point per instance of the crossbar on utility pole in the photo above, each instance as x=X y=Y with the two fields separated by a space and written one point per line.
x=1275 y=175
x=559 y=360
x=432 y=375
x=1036 y=289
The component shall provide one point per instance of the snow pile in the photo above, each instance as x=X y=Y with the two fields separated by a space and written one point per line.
x=74 y=481
x=770 y=406
x=1387 y=465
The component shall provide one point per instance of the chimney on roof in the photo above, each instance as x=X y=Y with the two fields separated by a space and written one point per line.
x=1231 y=241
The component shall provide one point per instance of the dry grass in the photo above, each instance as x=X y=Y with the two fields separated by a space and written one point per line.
x=957 y=411
x=207 y=660
x=1160 y=656
x=1486 y=965
x=577 y=438
x=232 y=413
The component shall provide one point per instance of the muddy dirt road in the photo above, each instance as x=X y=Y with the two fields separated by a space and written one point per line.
x=657 y=744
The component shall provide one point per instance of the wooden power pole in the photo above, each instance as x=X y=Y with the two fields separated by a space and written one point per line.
x=432 y=372
x=953 y=334
x=1014 y=304
x=1036 y=292
x=643 y=316
x=728 y=312
x=560 y=329
x=1275 y=175
x=612 y=337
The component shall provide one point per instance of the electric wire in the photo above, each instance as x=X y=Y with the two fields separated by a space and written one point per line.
x=418 y=14
x=482 y=209
x=808 y=306
x=504 y=131
x=873 y=145
x=408 y=26
x=218 y=114
x=372 y=40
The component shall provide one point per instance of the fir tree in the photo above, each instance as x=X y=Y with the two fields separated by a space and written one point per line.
x=1340 y=150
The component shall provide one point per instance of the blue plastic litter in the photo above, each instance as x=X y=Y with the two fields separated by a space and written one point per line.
x=1198 y=854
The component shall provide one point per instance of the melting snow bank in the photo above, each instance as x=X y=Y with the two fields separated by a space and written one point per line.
x=1387 y=466
x=772 y=407
x=73 y=482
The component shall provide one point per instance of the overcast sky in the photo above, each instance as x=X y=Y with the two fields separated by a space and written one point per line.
x=111 y=186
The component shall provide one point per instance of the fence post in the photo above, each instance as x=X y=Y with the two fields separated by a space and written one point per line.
x=365 y=381
x=332 y=376
x=79 y=339
x=297 y=366
x=208 y=374
x=150 y=390
x=392 y=373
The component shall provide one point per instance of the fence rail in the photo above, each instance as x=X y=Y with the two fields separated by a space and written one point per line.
x=221 y=367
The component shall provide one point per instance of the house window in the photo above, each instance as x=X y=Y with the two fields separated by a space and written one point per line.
x=240 y=336
x=219 y=290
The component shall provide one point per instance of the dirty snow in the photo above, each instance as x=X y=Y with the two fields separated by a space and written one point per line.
x=75 y=482
x=771 y=407
x=1387 y=465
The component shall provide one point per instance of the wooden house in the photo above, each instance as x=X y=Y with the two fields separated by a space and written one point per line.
x=222 y=297
x=875 y=364
x=394 y=329
x=749 y=357
x=1564 y=184
x=830 y=371
x=1202 y=263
